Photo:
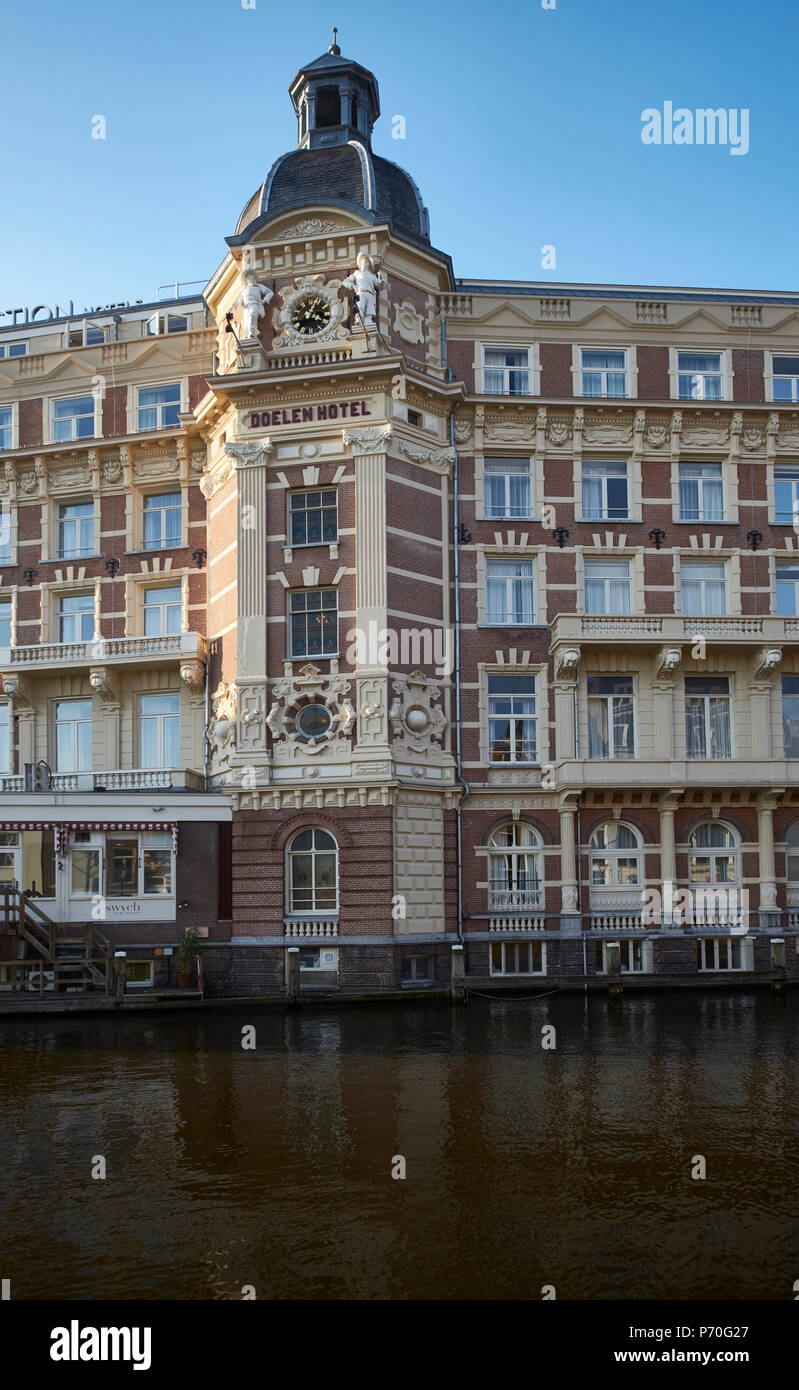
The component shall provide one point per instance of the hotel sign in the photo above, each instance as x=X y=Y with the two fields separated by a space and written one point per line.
x=305 y=414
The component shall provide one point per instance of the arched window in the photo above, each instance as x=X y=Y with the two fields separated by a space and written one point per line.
x=792 y=864
x=714 y=854
x=312 y=872
x=615 y=852
x=515 y=875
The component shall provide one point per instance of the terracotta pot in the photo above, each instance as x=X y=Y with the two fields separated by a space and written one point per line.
x=184 y=981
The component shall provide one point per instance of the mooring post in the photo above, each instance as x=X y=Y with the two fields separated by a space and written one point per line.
x=613 y=966
x=778 y=967
x=120 y=974
x=457 y=983
x=293 y=973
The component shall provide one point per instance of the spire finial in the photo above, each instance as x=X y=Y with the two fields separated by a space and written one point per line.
x=334 y=48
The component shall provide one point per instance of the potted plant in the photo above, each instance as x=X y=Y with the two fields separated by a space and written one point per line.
x=187 y=954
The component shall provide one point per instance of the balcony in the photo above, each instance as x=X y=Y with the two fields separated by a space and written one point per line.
x=299 y=928
x=652 y=629
x=515 y=900
x=119 y=651
x=115 y=780
x=684 y=774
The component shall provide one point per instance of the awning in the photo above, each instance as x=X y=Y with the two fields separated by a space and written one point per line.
x=62 y=828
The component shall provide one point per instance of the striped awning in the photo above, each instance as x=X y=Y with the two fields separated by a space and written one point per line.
x=62 y=828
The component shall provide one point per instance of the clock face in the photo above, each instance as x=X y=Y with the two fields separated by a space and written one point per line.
x=310 y=314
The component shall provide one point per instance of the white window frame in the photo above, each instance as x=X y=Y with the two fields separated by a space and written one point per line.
x=789 y=756
x=613 y=856
x=13 y=425
x=512 y=950
x=79 y=521
x=412 y=976
x=706 y=724
x=603 y=479
x=61 y=617
x=513 y=898
x=630 y=371
x=607 y=611
x=5 y=349
x=133 y=404
x=8 y=599
x=304 y=492
x=312 y=911
x=526 y=469
x=151 y=608
x=161 y=765
x=781 y=566
x=74 y=723
x=322 y=951
x=97 y=416
x=726 y=372
x=163 y=544
x=84 y=326
x=510 y=580
x=703 y=519
x=514 y=720
x=161 y=320
x=291 y=655
x=777 y=474
x=707 y=945
x=771 y=376
x=629 y=947
x=608 y=701
x=686 y=561
x=533 y=369
x=6 y=748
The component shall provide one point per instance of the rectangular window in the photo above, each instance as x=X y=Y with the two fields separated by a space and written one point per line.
x=75 y=530
x=607 y=586
x=699 y=375
x=605 y=492
x=5 y=534
x=6 y=427
x=787 y=589
x=703 y=588
x=318 y=958
x=85 y=871
x=165 y=323
x=417 y=968
x=631 y=954
x=786 y=496
x=73 y=419
x=313 y=618
x=517 y=958
x=76 y=618
x=785 y=378
x=719 y=953
x=73 y=735
x=512 y=719
x=5 y=622
x=162 y=520
x=156 y=868
x=313 y=517
x=507 y=488
x=603 y=373
x=158 y=407
x=122 y=867
x=701 y=492
x=5 y=737
x=707 y=717
x=13 y=349
x=162 y=612
x=506 y=371
x=139 y=973
x=790 y=715
x=510 y=593
x=159 y=731
x=611 y=724
x=38 y=863
x=85 y=335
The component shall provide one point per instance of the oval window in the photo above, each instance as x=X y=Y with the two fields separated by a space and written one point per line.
x=313 y=722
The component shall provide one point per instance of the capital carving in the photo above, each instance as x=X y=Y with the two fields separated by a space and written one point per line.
x=16 y=691
x=250 y=452
x=667 y=661
x=566 y=661
x=192 y=673
x=766 y=660
x=101 y=680
x=368 y=441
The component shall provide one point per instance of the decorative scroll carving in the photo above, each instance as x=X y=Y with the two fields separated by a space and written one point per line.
x=309 y=687
x=416 y=718
x=369 y=441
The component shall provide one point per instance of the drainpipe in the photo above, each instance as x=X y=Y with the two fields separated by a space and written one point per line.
x=206 y=739
x=456 y=539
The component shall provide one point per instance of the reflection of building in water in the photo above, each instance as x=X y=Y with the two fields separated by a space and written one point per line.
x=229 y=603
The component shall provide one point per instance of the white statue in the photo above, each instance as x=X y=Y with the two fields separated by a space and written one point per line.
x=366 y=285
x=253 y=301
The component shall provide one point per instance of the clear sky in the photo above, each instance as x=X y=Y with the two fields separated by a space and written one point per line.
x=523 y=129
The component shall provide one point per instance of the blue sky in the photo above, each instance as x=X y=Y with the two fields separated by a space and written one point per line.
x=523 y=129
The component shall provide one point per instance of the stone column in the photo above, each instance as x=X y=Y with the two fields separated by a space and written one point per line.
x=368 y=447
x=668 y=861
x=767 y=874
x=568 y=865
x=251 y=472
x=760 y=707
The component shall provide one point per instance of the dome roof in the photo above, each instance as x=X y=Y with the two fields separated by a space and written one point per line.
x=337 y=103
x=341 y=174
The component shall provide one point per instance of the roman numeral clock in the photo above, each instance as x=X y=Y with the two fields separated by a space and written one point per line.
x=312 y=312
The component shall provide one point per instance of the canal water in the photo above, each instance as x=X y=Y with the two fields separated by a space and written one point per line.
x=524 y=1166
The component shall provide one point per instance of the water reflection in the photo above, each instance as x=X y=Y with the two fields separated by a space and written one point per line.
x=525 y=1167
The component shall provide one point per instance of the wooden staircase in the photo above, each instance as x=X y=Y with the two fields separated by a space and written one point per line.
x=69 y=957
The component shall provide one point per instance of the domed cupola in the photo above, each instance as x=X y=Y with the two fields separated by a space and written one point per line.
x=337 y=104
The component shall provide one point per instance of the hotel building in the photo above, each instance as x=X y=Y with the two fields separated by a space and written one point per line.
x=422 y=624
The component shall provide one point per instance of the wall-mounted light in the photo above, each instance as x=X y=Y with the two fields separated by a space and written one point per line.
x=198 y=556
x=30 y=575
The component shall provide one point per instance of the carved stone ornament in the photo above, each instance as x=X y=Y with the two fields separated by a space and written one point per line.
x=67 y=477
x=567 y=660
x=249 y=451
x=559 y=432
x=223 y=723
x=463 y=429
x=509 y=431
x=15 y=689
x=252 y=302
x=368 y=441
x=101 y=679
x=710 y=435
x=768 y=895
x=753 y=438
x=330 y=311
x=408 y=322
x=416 y=718
x=366 y=284
x=607 y=431
x=655 y=436
x=312 y=226
x=440 y=459
x=6 y=476
x=111 y=469
x=192 y=673
x=767 y=660
x=310 y=692
x=667 y=661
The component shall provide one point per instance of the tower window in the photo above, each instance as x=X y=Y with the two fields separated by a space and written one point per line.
x=328 y=106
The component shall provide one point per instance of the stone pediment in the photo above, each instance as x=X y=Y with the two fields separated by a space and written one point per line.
x=603 y=318
x=507 y=314
x=699 y=321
